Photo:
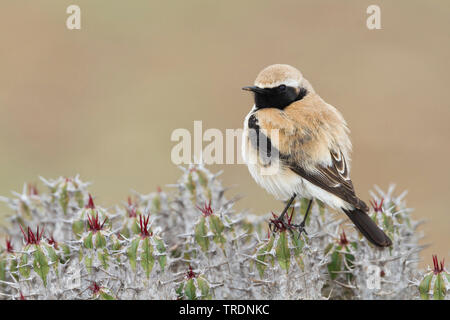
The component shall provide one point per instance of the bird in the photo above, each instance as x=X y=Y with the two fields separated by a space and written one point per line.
x=297 y=145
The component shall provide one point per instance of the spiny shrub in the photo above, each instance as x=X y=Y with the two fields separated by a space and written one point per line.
x=191 y=244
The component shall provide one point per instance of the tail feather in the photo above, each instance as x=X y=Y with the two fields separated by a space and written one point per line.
x=368 y=228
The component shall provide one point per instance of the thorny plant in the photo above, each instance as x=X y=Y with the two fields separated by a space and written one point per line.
x=191 y=244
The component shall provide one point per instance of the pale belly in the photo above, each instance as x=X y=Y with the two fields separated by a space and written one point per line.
x=281 y=181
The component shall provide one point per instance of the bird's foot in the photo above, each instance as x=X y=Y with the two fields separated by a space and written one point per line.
x=276 y=225
x=300 y=228
x=279 y=224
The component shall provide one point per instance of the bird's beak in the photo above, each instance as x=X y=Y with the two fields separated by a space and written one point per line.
x=254 y=89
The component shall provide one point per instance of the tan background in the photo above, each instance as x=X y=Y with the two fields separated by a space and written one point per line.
x=104 y=100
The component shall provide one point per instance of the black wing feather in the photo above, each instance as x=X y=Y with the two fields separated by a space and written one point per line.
x=334 y=179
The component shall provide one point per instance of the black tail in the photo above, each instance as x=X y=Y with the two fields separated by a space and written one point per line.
x=368 y=228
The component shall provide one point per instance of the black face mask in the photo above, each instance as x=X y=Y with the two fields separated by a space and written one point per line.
x=279 y=97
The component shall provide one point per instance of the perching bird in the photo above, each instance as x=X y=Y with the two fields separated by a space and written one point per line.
x=296 y=144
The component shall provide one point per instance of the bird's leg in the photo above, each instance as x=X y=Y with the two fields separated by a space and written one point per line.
x=280 y=219
x=288 y=205
x=301 y=226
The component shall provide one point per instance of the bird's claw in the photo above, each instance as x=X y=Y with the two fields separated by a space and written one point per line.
x=278 y=224
x=301 y=228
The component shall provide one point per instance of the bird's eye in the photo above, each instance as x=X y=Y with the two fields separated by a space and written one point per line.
x=282 y=87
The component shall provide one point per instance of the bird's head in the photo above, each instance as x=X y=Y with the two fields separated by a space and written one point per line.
x=277 y=86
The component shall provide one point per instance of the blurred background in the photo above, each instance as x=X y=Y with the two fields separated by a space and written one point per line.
x=103 y=101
